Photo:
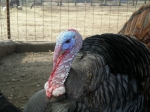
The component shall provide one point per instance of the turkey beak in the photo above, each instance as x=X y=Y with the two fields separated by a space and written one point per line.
x=57 y=53
x=61 y=52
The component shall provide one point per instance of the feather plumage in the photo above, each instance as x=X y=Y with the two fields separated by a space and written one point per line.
x=109 y=74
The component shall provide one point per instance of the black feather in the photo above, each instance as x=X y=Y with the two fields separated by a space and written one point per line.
x=109 y=74
x=6 y=106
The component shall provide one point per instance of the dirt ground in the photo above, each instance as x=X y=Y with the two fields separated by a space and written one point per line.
x=21 y=75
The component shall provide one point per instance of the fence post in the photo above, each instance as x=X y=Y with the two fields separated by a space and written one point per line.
x=8 y=19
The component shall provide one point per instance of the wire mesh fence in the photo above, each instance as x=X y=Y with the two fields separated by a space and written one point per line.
x=33 y=20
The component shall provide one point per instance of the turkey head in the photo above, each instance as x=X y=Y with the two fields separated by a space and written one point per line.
x=68 y=44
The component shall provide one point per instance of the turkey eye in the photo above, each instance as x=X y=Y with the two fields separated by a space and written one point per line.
x=67 y=41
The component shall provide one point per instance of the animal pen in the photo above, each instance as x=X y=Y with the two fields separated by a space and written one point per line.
x=27 y=28
x=45 y=20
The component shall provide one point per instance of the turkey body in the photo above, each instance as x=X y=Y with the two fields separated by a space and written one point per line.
x=6 y=106
x=109 y=74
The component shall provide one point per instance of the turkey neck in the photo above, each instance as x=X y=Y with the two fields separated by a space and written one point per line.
x=61 y=69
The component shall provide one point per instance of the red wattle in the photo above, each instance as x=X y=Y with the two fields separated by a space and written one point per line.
x=48 y=94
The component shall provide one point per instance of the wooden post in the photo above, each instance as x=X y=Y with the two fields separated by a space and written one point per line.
x=8 y=19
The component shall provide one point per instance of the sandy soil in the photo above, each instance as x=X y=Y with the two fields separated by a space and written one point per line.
x=21 y=75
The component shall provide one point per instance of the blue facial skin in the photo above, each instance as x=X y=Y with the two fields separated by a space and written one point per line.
x=66 y=39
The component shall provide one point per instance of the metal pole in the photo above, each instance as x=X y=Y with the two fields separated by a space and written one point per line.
x=8 y=19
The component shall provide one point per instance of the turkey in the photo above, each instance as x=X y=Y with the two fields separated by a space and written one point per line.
x=6 y=106
x=102 y=73
x=138 y=25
